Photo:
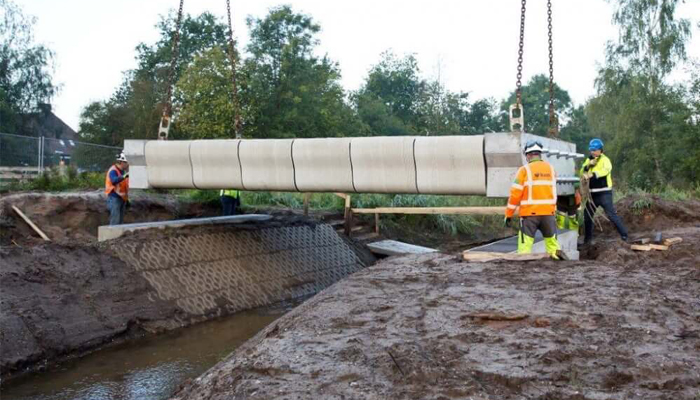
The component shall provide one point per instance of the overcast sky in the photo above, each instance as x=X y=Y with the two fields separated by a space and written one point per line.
x=472 y=44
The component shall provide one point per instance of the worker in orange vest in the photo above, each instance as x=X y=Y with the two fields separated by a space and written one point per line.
x=117 y=190
x=535 y=192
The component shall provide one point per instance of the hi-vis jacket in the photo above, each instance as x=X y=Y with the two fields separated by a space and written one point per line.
x=230 y=193
x=119 y=186
x=534 y=190
x=602 y=174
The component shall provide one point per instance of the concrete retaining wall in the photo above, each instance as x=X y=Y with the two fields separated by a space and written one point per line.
x=225 y=269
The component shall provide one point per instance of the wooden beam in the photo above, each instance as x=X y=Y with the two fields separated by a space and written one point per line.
x=31 y=224
x=307 y=199
x=672 y=241
x=432 y=210
x=487 y=256
x=348 y=215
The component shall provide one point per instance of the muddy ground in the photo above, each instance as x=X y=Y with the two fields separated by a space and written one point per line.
x=622 y=325
x=71 y=296
x=73 y=218
x=60 y=301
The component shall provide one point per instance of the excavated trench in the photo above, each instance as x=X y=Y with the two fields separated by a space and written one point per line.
x=64 y=299
x=622 y=324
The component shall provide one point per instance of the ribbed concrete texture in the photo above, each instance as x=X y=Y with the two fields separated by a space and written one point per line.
x=224 y=270
x=169 y=164
x=384 y=165
x=453 y=164
x=215 y=164
x=267 y=165
x=323 y=165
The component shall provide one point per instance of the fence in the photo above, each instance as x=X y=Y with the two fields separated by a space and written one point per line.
x=23 y=157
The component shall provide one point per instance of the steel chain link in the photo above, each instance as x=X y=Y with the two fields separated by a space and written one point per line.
x=168 y=106
x=237 y=124
x=518 y=83
x=553 y=122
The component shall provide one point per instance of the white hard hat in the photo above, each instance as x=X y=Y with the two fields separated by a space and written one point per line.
x=121 y=157
x=533 y=146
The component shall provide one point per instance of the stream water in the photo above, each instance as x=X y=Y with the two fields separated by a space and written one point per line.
x=146 y=369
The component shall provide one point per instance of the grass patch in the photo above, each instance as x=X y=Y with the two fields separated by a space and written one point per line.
x=54 y=181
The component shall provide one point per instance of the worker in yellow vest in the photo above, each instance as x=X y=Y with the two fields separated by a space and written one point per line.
x=230 y=201
x=117 y=190
x=596 y=172
x=535 y=192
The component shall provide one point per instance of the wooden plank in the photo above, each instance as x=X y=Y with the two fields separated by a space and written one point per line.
x=432 y=210
x=642 y=241
x=658 y=247
x=31 y=224
x=396 y=248
x=641 y=247
x=307 y=199
x=487 y=256
x=672 y=241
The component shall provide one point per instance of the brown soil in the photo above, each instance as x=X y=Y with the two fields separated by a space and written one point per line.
x=623 y=325
x=72 y=218
x=59 y=301
x=659 y=215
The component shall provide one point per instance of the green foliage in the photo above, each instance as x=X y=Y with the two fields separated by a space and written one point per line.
x=205 y=91
x=641 y=204
x=288 y=91
x=652 y=41
x=649 y=126
x=25 y=68
x=53 y=181
x=535 y=101
x=396 y=100
x=134 y=110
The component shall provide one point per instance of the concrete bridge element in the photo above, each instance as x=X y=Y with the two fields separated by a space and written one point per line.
x=452 y=165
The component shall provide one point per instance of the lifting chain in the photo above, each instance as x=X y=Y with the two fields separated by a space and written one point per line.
x=553 y=120
x=237 y=124
x=164 y=127
x=516 y=114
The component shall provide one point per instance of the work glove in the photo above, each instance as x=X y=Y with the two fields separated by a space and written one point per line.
x=589 y=175
x=577 y=196
x=126 y=175
x=593 y=162
x=507 y=222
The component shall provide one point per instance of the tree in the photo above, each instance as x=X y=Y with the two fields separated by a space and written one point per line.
x=289 y=92
x=642 y=117
x=205 y=93
x=388 y=101
x=535 y=101
x=25 y=68
x=134 y=110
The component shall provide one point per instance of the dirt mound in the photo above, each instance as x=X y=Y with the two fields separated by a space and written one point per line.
x=431 y=327
x=75 y=217
x=61 y=300
x=646 y=213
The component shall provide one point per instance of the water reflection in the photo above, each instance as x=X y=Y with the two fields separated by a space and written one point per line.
x=149 y=369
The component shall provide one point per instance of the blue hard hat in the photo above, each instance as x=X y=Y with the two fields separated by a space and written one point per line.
x=596 y=144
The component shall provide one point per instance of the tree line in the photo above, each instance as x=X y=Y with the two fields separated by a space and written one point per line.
x=650 y=126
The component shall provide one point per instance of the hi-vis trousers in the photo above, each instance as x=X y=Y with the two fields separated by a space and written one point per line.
x=529 y=226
